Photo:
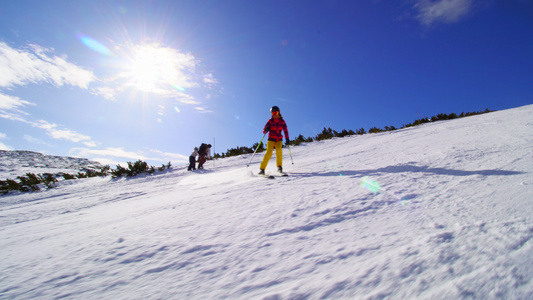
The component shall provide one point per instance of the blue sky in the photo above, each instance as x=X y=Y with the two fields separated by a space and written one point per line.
x=117 y=81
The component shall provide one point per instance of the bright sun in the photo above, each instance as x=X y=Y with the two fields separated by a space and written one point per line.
x=146 y=70
x=152 y=68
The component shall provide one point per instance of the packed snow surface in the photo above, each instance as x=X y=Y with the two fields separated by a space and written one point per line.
x=439 y=211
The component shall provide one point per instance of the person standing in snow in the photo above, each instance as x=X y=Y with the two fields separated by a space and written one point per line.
x=274 y=126
x=192 y=159
x=205 y=153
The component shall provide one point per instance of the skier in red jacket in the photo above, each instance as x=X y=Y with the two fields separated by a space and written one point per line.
x=274 y=126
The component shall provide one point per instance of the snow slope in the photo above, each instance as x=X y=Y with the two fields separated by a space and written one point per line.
x=451 y=220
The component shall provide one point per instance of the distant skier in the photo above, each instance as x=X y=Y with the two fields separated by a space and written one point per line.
x=274 y=126
x=192 y=159
x=205 y=153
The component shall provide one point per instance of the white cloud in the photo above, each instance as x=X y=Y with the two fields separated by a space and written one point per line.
x=2 y=145
x=146 y=68
x=203 y=110
x=113 y=152
x=186 y=99
x=442 y=11
x=115 y=156
x=9 y=109
x=11 y=116
x=109 y=156
x=210 y=81
x=106 y=92
x=65 y=134
x=5 y=147
x=90 y=144
x=37 y=65
x=12 y=103
x=167 y=156
x=108 y=161
x=33 y=140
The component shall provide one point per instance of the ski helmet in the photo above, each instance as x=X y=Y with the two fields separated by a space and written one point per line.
x=274 y=108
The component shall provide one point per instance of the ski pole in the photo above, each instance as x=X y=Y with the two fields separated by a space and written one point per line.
x=256 y=150
x=290 y=153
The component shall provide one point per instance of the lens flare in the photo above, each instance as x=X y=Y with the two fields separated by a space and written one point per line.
x=94 y=44
x=374 y=187
x=177 y=87
x=177 y=109
x=370 y=184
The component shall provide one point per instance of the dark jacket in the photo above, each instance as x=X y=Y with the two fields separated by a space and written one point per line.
x=274 y=126
x=202 y=149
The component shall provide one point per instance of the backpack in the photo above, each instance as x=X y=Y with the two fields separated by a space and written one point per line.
x=202 y=148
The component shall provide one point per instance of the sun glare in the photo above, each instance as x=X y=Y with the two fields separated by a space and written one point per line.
x=147 y=68
x=156 y=69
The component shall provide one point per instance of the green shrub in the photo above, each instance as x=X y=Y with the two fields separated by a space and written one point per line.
x=375 y=130
x=104 y=171
x=29 y=182
x=326 y=134
x=151 y=170
x=67 y=176
x=48 y=179
x=134 y=169
x=10 y=185
x=259 y=147
x=118 y=172
x=137 y=168
x=4 y=187
x=345 y=133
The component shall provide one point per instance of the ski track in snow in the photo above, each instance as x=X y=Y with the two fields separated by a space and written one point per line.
x=451 y=220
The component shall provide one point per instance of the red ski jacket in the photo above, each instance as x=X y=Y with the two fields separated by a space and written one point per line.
x=274 y=126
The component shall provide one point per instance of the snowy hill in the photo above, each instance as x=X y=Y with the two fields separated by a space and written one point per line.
x=18 y=163
x=439 y=211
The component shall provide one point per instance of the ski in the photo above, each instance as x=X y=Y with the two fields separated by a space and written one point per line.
x=266 y=176
x=279 y=174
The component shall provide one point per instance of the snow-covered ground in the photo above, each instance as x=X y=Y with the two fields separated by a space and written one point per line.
x=18 y=163
x=450 y=218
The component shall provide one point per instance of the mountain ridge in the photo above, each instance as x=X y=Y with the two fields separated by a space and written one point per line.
x=15 y=163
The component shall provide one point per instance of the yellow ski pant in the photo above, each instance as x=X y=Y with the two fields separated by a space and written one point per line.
x=270 y=148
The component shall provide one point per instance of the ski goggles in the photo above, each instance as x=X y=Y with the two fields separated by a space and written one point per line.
x=275 y=113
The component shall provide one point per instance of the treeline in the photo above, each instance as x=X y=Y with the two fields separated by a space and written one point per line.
x=328 y=133
x=34 y=182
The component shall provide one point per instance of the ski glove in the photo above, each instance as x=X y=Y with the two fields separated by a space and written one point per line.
x=267 y=129
x=287 y=142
